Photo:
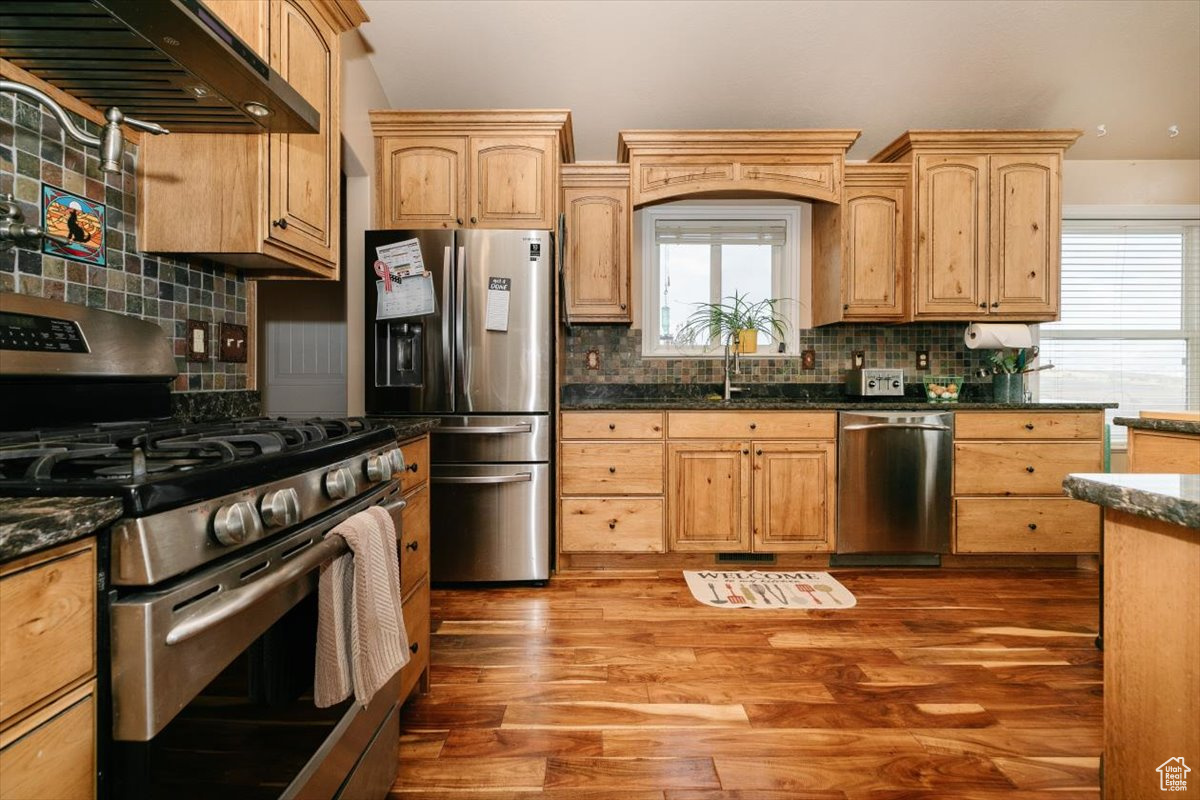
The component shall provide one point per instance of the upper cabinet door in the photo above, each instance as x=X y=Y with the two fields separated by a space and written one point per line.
x=1025 y=214
x=514 y=182
x=597 y=254
x=304 y=167
x=421 y=182
x=952 y=244
x=875 y=253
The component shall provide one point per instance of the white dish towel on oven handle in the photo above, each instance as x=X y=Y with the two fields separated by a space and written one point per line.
x=361 y=641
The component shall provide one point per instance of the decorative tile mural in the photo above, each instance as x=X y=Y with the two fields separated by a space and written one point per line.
x=617 y=356
x=168 y=291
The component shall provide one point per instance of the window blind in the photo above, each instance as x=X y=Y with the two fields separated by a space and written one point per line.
x=1129 y=331
x=772 y=232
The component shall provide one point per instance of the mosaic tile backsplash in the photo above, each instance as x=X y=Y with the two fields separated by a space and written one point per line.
x=166 y=291
x=620 y=356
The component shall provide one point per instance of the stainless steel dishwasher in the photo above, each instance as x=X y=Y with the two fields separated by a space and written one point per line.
x=894 y=495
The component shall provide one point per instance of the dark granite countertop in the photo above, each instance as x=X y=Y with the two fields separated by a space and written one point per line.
x=1161 y=425
x=1165 y=497
x=783 y=396
x=28 y=524
x=408 y=427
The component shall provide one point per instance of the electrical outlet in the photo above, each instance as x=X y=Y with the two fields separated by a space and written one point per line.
x=808 y=359
x=232 y=343
x=591 y=359
x=197 y=340
x=923 y=359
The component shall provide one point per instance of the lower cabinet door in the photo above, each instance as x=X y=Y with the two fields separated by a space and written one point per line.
x=416 y=626
x=612 y=525
x=709 y=504
x=795 y=490
x=1026 y=525
x=56 y=759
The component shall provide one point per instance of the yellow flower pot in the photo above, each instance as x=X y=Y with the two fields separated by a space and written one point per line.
x=747 y=341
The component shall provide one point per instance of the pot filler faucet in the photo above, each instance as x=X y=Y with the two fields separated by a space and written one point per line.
x=111 y=144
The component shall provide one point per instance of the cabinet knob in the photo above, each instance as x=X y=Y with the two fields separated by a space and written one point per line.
x=414 y=647
x=983 y=305
x=623 y=306
x=412 y=467
x=758 y=452
x=473 y=220
x=845 y=306
x=1029 y=468
x=996 y=304
x=612 y=470
x=612 y=523
x=458 y=220
x=411 y=546
x=1033 y=526
x=1028 y=426
x=612 y=426
x=745 y=452
x=753 y=426
x=280 y=223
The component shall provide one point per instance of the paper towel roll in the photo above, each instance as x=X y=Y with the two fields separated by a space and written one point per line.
x=997 y=336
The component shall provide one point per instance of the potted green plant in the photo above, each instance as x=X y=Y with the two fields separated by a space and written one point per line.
x=735 y=323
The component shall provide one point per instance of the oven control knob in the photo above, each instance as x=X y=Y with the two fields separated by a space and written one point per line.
x=340 y=483
x=235 y=523
x=280 y=508
x=379 y=468
x=395 y=457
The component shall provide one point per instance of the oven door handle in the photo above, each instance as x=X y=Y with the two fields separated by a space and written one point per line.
x=238 y=600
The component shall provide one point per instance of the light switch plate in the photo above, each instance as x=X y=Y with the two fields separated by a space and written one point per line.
x=232 y=343
x=197 y=340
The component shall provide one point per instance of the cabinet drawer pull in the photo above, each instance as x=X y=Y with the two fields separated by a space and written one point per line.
x=612 y=426
x=280 y=223
x=1028 y=426
x=753 y=426
x=1033 y=526
x=1029 y=468
x=414 y=647
x=612 y=523
x=612 y=470
x=412 y=546
x=412 y=467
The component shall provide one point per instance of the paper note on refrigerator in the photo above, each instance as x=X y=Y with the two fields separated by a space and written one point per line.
x=410 y=297
x=499 y=290
x=403 y=258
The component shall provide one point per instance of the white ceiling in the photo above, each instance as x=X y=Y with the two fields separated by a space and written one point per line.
x=879 y=66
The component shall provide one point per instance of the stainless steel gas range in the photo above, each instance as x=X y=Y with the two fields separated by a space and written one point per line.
x=208 y=609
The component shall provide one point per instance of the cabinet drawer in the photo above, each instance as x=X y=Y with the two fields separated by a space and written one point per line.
x=416 y=463
x=612 y=525
x=1026 y=525
x=416 y=626
x=612 y=468
x=414 y=542
x=47 y=629
x=1028 y=425
x=1155 y=451
x=56 y=758
x=1017 y=468
x=612 y=425
x=752 y=425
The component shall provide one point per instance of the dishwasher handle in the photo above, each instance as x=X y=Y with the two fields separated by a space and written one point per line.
x=920 y=426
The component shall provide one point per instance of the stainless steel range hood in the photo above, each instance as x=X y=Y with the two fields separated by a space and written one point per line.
x=166 y=61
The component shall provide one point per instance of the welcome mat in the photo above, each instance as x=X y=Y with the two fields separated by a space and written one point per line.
x=769 y=590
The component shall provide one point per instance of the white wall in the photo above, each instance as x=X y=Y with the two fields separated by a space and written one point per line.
x=1130 y=183
x=361 y=92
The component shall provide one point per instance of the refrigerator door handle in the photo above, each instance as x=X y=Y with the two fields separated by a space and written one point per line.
x=520 y=477
x=521 y=427
x=460 y=356
x=447 y=304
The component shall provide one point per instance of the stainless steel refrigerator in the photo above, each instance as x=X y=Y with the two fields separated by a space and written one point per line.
x=482 y=362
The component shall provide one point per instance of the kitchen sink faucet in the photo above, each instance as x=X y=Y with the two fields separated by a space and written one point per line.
x=731 y=368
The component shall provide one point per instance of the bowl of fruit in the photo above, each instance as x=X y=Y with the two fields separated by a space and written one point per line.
x=943 y=388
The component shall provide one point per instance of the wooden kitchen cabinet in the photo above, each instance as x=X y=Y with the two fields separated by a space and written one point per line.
x=988 y=215
x=861 y=248
x=708 y=504
x=48 y=674
x=595 y=200
x=472 y=169
x=414 y=554
x=268 y=202
x=1009 y=468
x=794 y=486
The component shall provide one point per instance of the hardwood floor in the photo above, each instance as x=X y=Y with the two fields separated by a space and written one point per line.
x=939 y=684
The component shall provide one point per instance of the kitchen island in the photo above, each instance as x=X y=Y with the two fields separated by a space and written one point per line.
x=1151 y=626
